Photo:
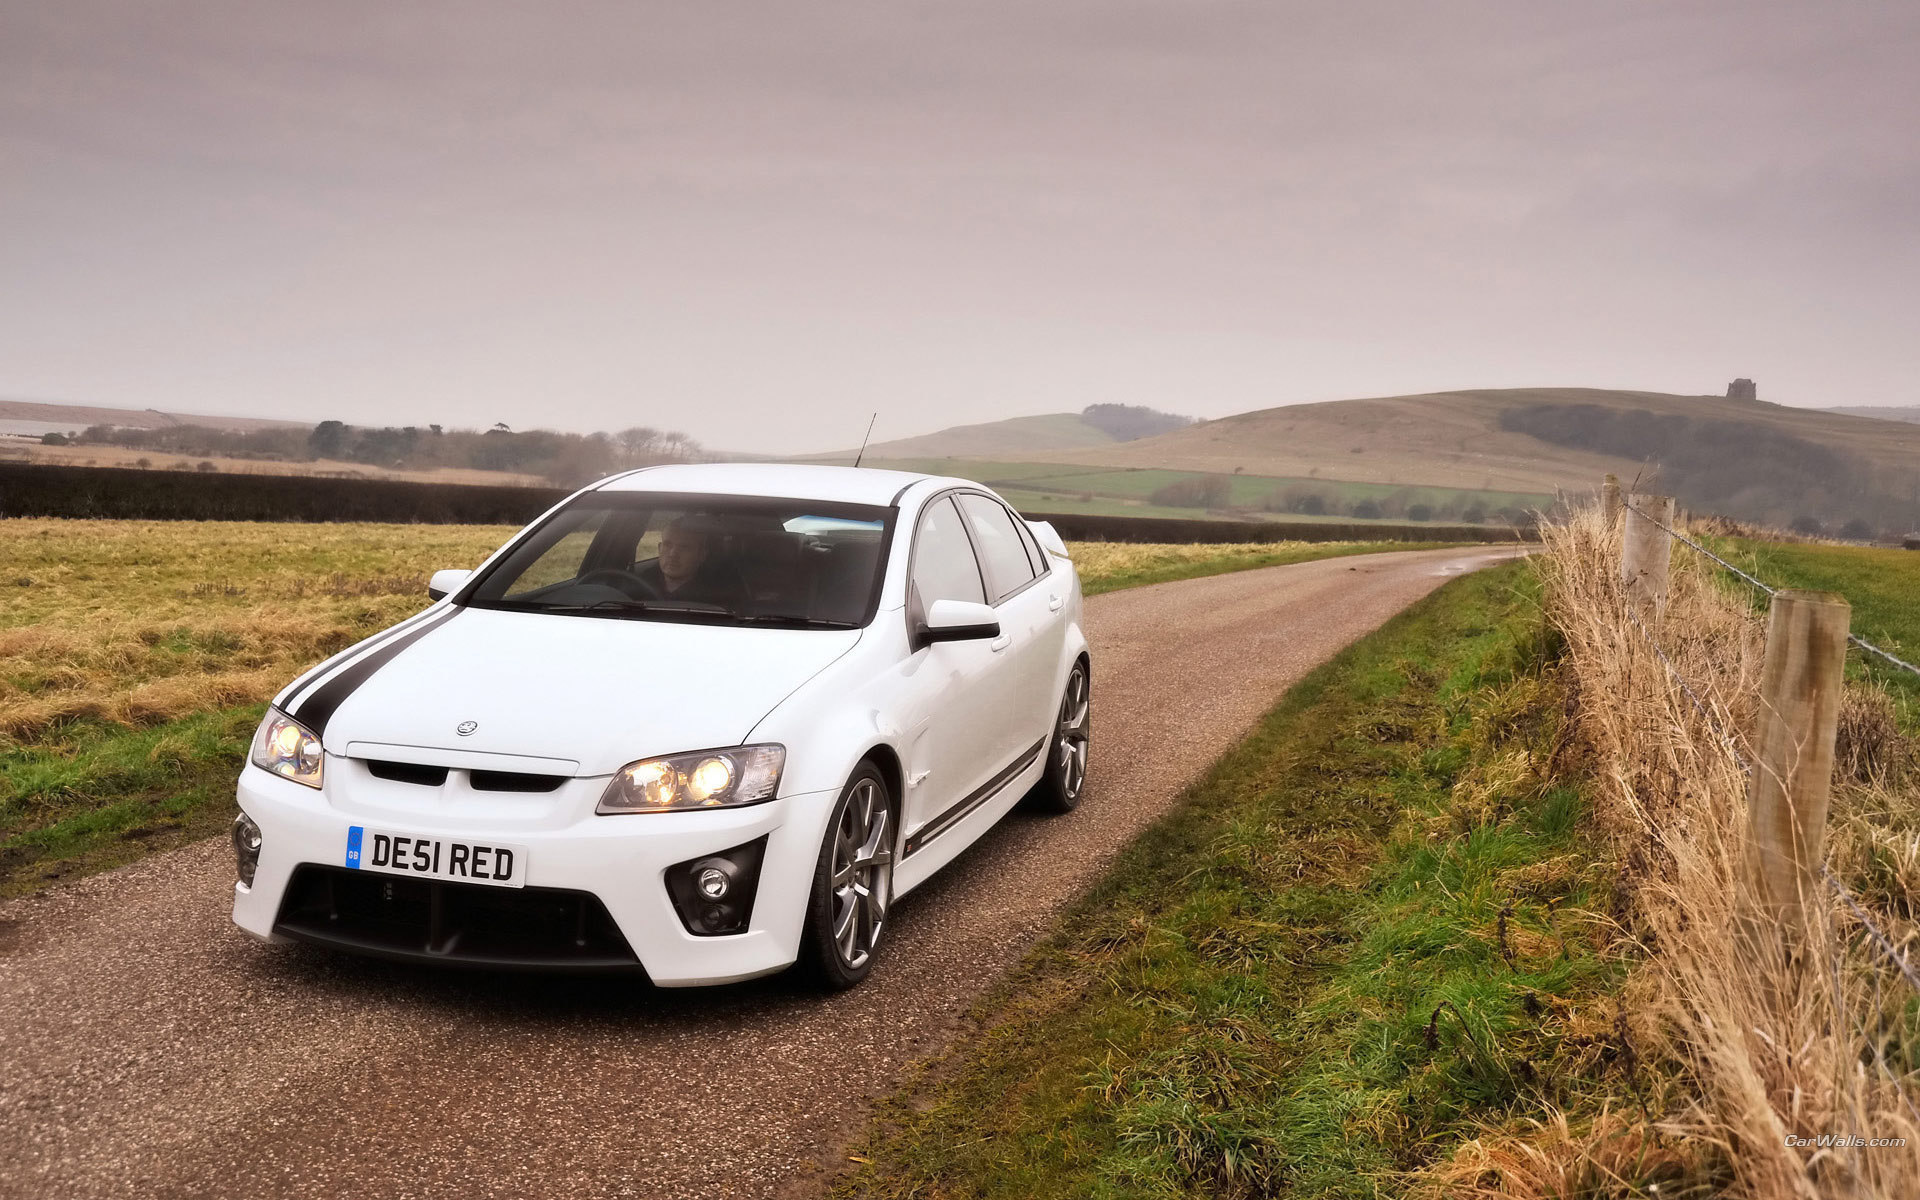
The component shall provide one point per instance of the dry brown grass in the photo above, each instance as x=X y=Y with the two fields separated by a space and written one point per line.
x=1758 y=1045
x=141 y=622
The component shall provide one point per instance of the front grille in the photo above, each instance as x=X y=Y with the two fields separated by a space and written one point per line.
x=400 y=772
x=482 y=781
x=514 y=781
x=462 y=924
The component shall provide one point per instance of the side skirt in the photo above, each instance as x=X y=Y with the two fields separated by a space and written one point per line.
x=979 y=796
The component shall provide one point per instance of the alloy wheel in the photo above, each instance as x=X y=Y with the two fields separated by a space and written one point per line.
x=862 y=881
x=1072 y=737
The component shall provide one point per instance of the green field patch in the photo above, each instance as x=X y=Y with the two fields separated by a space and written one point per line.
x=92 y=795
x=1119 y=491
x=1882 y=585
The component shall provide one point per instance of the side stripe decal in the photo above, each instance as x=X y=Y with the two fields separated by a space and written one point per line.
x=987 y=791
x=318 y=707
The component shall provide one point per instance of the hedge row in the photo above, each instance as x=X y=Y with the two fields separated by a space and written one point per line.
x=57 y=491
x=48 y=491
x=1079 y=527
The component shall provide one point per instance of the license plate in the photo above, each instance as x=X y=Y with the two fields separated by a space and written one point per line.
x=455 y=860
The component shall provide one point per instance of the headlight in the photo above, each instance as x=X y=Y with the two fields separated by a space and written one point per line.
x=283 y=745
x=704 y=779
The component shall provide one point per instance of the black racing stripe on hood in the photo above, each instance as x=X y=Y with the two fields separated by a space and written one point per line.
x=317 y=709
x=306 y=682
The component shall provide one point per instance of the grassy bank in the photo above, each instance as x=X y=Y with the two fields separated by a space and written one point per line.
x=136 y=658
x=1767 y=1029
x=1356 y=942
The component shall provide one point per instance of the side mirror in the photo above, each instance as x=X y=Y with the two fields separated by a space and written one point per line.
x=445 y=583
x=956 y=621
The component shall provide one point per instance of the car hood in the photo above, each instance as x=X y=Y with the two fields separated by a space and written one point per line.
x=595 y=692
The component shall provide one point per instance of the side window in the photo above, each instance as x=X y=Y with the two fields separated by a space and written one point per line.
x=1042 y=565
x=1001 y=550
x=943 y=563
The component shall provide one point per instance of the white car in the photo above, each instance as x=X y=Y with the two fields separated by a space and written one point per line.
x=703 y=722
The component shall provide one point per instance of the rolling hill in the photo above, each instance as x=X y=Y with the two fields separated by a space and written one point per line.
x=1747 y=458
x=35 y=417
x=1094 y=425
x=1467 y=439
x=1881 y=412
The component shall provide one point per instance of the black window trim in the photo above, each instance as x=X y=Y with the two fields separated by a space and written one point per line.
x=1011 y=515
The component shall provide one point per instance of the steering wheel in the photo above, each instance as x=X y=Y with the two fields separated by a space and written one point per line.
x=625 y=581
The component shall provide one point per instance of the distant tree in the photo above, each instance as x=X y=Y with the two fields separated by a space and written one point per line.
x=1128 y=422
x=1807 y=525
x=1202 y=491
x=436 y=430
x=54 y=439
x=500 y=427
x=1857 y=530
x=143 y=462
x=1474 y=514
x=1366 y=510
x=1419 y=512
x=328 y=439
x=206 y=468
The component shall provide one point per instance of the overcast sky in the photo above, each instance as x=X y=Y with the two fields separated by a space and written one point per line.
x=759 y=222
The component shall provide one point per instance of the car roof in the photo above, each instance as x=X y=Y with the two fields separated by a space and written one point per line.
x=799 y=481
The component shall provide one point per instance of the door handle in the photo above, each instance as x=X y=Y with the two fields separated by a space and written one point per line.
x=1054 y=603
x=1000 y=643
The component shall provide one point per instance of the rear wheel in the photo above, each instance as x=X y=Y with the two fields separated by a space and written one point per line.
x=852 y=883
x=1060 y=788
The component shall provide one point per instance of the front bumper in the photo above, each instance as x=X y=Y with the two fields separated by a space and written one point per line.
x=617 y=863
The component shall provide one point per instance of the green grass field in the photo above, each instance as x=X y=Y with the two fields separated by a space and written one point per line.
x=136 y=657
x=1056 y=487
x=1355 y=944
x=1882 y=585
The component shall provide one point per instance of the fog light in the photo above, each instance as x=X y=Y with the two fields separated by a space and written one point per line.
x=246 y=848
x=714 y=893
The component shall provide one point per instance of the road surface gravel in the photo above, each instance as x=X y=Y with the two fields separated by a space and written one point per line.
x=148 y=1048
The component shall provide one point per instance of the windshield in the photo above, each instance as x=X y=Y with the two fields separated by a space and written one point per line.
x=745 y=560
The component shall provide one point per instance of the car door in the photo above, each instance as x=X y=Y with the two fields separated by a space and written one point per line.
x=959 y=691
x=1030 y=607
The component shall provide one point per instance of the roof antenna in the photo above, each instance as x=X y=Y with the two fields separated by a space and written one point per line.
x=864 y=440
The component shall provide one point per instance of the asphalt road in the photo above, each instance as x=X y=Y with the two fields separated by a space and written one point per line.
x=147 y=1047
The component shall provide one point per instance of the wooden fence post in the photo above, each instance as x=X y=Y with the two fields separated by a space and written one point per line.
x=1646 y=549
x=1800 y=686
x=1610 y=500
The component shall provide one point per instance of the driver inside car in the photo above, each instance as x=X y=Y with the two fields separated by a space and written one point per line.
x=686 y=569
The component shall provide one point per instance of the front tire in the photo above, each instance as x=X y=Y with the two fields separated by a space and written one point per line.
x=1059 y=790
x=852 y=884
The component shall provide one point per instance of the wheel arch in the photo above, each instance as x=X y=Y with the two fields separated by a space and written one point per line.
x=886 y=760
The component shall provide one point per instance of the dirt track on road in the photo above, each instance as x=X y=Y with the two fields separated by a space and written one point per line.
x=148 y=1048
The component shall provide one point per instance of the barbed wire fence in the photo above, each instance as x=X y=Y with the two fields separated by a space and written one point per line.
x=1883 y=947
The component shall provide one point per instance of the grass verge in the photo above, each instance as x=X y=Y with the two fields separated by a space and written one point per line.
x=1354 y=945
